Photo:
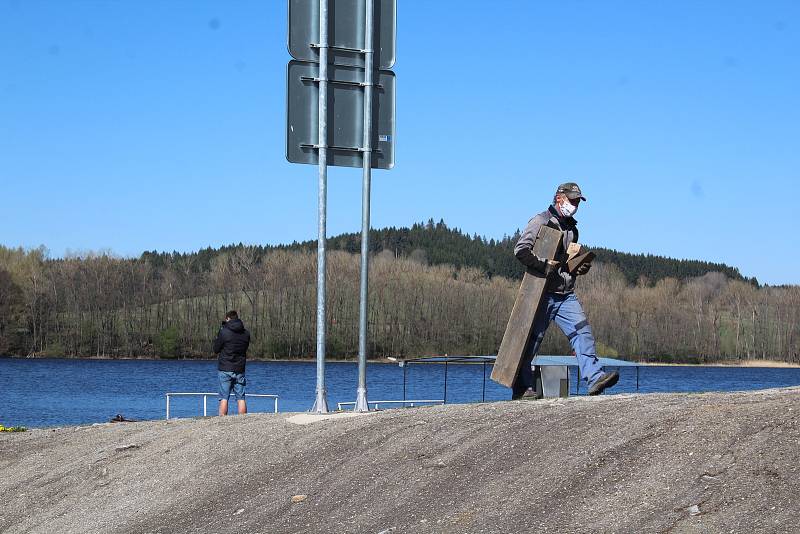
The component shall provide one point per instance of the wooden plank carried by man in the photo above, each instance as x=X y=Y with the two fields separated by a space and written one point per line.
x=578 y=255
x=520 y=324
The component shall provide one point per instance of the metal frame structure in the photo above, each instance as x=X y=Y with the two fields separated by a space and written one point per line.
x=473 y=360
x=567 y=361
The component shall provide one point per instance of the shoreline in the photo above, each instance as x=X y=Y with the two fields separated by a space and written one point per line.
x=766 y=364
x=750 y=363
x=210 y=359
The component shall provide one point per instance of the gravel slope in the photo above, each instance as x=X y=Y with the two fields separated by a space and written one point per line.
x=622 y=463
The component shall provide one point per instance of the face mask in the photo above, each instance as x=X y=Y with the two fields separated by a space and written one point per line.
x=567 y=209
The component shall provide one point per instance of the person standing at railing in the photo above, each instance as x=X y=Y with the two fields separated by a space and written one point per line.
x=230 y=346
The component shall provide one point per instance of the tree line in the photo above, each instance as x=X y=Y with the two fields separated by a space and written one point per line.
x=170 y=305
x=437 y=244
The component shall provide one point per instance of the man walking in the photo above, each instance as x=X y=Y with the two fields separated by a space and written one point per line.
x=231 y=347
x=559 y=302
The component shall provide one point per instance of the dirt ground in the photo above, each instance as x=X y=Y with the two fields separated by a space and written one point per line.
x=721 y=462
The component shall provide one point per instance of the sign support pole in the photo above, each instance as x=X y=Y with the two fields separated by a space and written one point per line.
x=361 y=393
x=321 y=402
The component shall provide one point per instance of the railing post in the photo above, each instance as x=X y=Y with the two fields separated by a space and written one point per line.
x=445 y=382
x=167 y=406
x=483 y=390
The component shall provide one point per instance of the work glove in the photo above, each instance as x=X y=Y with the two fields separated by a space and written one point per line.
x=583 y=269
x=551 y=267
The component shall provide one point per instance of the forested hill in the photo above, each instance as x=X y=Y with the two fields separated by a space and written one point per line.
x=437 y=244
x=168 y=305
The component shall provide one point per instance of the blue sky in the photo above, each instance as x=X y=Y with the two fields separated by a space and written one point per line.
x=140 y=125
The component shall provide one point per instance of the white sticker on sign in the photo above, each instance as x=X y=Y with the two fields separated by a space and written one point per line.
x=384 y=138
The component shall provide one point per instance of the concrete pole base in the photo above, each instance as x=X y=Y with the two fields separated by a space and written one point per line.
x=361 y=401
x=321 y=403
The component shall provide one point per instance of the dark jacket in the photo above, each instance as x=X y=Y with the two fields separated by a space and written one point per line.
x=563 y=282
x=231 y=346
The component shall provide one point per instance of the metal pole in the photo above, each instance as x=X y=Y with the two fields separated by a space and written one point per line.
x=361 y=393
x=321 y=402
x=444 y=398
x=483 y=390
x=404 y=382
x=167 y=405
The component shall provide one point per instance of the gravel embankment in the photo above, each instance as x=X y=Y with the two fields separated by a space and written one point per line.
x=619 y=463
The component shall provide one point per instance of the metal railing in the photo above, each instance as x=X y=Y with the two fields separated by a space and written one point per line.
x=206 y=395
x=377 y=404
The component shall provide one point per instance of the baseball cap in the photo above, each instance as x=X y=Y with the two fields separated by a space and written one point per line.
x=571 y=189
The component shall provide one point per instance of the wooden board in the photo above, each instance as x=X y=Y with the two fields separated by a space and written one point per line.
x=520 y=324
x=573 y=250
x=580 y=259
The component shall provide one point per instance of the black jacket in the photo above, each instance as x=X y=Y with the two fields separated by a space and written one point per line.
x=231 y=345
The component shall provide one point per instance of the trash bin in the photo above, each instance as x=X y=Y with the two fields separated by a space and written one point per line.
x=555 y=381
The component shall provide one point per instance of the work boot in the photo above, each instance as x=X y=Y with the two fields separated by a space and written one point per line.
x=527 y=394
x=531 y=394
x=517 y=392
x=606 y=380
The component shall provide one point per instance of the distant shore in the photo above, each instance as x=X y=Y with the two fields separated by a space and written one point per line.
x=721 y=363
x=733 y=363
x=208 y=359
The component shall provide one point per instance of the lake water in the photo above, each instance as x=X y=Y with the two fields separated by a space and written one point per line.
x=57 y=392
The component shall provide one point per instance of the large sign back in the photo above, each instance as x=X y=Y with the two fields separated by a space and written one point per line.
x=346 y=32
x=345 y=116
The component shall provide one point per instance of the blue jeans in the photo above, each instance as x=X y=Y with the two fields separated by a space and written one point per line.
x=568 y=314
x=229 y=380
